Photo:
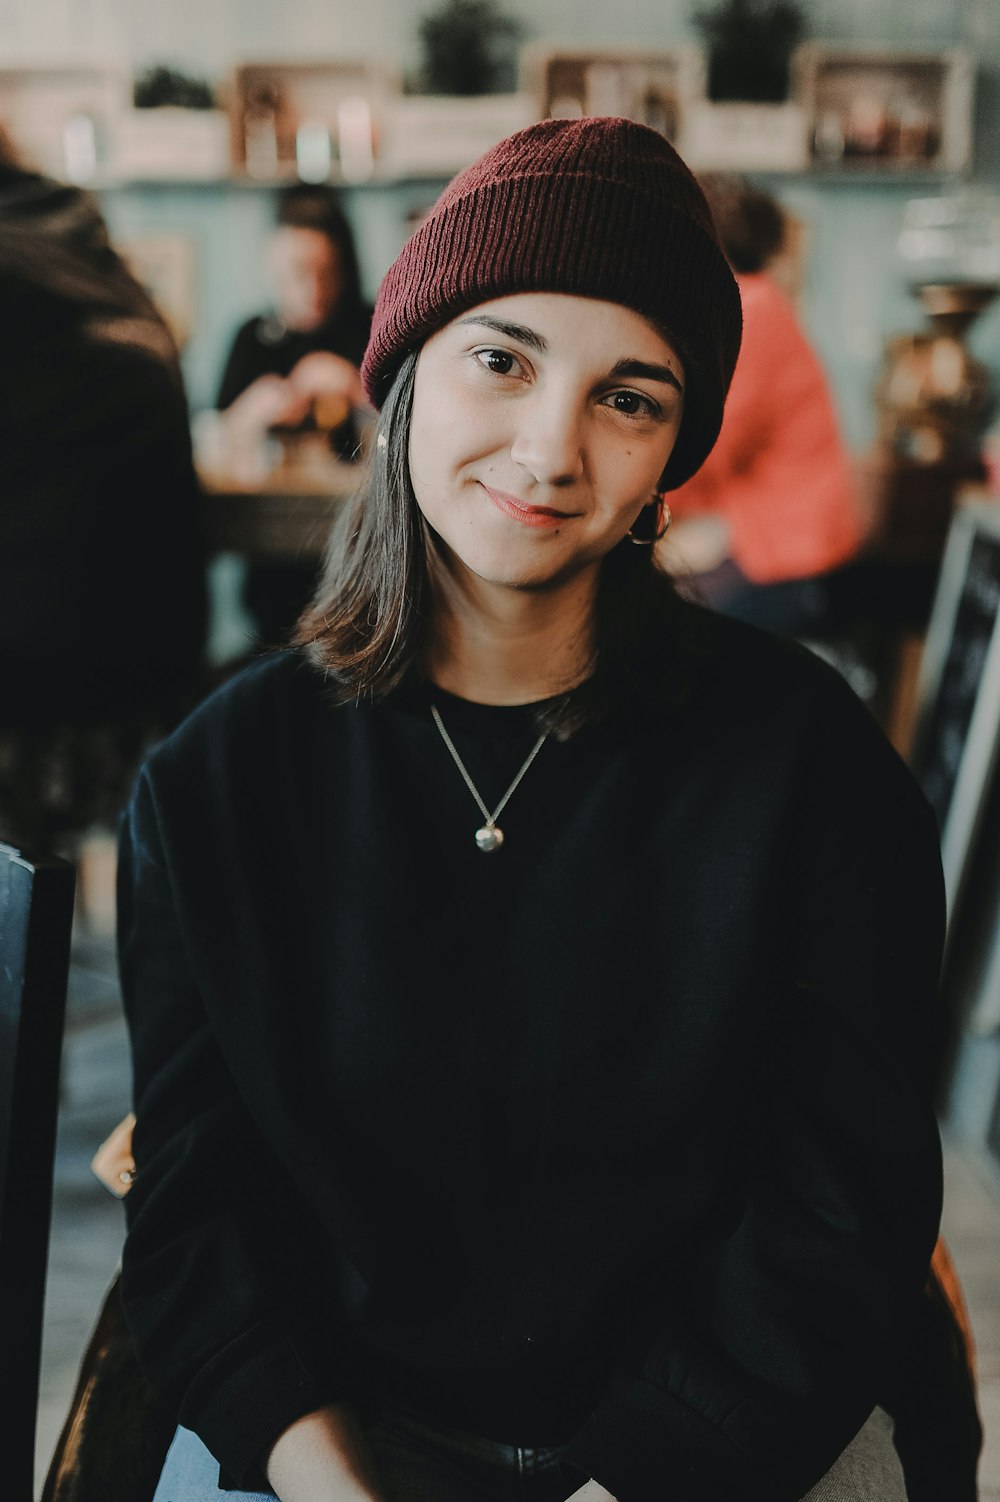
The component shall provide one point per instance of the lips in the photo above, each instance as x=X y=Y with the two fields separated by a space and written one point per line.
x=522 y=511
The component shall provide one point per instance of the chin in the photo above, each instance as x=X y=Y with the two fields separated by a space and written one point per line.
x=530 y=577
x=304 y=325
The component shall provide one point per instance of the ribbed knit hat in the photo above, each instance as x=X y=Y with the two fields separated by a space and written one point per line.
x=599 y=208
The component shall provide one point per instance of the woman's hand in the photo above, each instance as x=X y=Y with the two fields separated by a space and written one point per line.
x=591 y=1491
x=323 y=1457
x=269 y=402
x=325 y=375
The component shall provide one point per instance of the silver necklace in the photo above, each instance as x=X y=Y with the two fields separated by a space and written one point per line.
x=489 y=837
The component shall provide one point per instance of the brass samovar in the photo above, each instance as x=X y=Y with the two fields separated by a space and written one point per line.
x=933 y=398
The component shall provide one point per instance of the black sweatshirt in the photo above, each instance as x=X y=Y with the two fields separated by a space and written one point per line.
x=263 y=346
x=620 y=1135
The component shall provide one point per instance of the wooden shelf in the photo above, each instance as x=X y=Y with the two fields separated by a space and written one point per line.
x=240 y=182
x=886 y=109
x=799 y=176
x=870 y=116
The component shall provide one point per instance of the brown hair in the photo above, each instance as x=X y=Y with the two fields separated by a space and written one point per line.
x=751 y=224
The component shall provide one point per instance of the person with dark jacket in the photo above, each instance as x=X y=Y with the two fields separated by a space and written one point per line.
x=530 y=975
x=102 y=593
x=295 y=366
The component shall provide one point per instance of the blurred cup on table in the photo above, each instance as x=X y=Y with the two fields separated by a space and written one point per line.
x=331 y=410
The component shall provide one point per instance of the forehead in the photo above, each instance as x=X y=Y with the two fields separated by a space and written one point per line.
x=567 y=323
x=293 y=244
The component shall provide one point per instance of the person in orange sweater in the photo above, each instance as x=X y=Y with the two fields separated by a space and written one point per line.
x=773 y=511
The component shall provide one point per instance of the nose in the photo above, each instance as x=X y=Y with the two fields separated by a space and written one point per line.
x=548 y=441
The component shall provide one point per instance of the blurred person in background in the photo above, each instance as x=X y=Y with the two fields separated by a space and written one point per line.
x=296 y=367
x=102 y=595
x=773 y=512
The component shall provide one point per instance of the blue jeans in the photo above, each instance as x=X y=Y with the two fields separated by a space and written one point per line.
x=416 y=1463
x=413 y=1461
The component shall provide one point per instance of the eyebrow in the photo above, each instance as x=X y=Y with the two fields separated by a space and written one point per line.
x=518 y=331
x=636 y=369
x=643 y=370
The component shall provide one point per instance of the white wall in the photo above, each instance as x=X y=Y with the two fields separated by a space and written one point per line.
x=210 y=35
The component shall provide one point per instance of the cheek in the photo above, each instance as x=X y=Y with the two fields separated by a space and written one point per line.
x=424 y=443
x=424 y=478
x=628 y=474
x=433 y=448
x=301 y=292
x=419 y=458
x=654 y=458
x=449 y=427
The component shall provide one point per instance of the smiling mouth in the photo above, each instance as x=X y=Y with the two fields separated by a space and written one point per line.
x=521 y=511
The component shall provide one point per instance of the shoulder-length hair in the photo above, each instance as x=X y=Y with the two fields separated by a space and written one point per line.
x=366 y=628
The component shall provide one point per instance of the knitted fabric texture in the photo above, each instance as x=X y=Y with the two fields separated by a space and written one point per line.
x=598 y=208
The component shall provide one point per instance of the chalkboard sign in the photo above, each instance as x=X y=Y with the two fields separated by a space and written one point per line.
x=957 y=735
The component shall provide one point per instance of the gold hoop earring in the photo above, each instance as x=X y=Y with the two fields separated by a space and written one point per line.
x=662 y=529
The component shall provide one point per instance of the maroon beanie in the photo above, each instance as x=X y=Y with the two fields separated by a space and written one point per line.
x=598 y=208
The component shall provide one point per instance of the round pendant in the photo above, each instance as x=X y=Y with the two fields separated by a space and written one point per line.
x=489 y=838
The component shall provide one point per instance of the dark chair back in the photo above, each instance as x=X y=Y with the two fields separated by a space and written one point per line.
x=36 y=915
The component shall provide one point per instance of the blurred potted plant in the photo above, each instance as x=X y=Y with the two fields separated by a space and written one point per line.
x=164 y=88
x=462 y=98
x=750 y=45
x=747 y=121
x=469 y=47
x=174 y=129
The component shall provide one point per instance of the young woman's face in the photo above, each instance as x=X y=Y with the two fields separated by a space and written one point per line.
x=541 y=426
x=306 y=275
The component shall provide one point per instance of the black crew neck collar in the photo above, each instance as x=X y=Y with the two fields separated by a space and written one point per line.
x=489 y=720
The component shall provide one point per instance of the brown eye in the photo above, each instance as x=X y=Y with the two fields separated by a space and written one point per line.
x=499 y=361
x=631 y=404
x=627 y=401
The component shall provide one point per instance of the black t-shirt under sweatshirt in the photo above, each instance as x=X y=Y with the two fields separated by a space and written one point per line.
x=618 y=1136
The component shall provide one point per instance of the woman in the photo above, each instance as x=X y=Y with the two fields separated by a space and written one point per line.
x=296 y=367
x=774 y=512
x=318 y=311
x=529 y=976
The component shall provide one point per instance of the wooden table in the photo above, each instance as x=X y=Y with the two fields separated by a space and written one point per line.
x=287 y=518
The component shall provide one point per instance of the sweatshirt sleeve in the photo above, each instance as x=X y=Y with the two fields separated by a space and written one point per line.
x=202 y=1283
x=781 y=1363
